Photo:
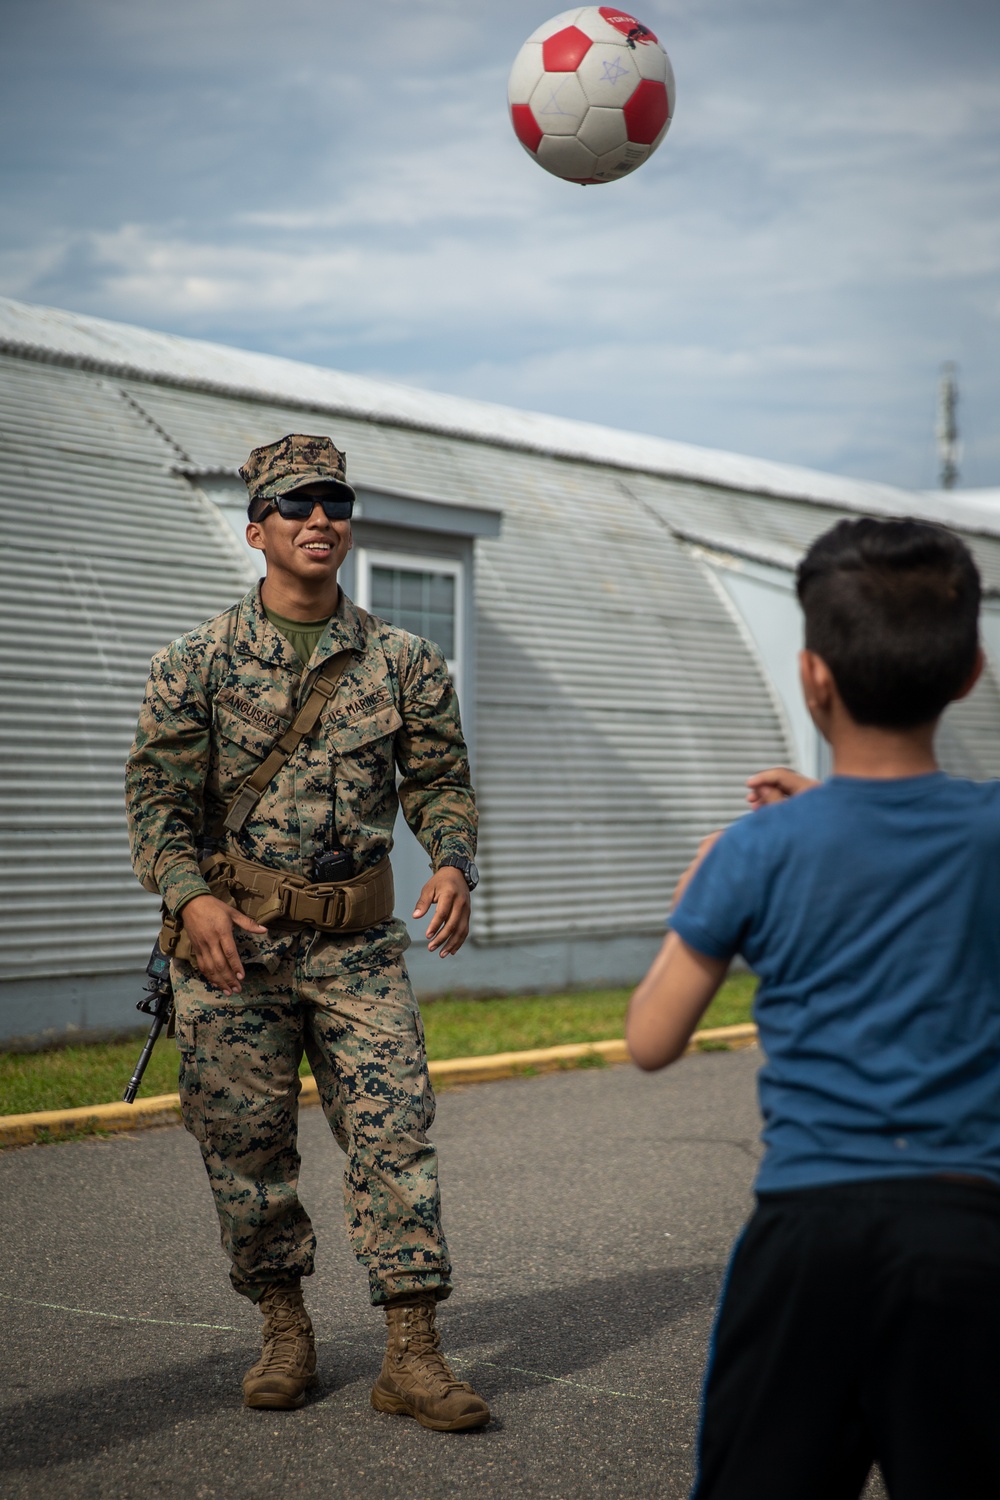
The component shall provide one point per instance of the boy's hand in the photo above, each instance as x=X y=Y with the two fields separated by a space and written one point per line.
x=707 y=843
x=776 y=785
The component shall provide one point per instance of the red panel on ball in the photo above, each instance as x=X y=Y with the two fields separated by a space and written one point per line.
x=646 y=112
x=627 y=25
x=526 y=127
x=564 y=52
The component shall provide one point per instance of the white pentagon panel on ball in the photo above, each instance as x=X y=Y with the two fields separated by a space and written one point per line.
x=526 y=73
x=596 y=27
x=565 y=156
x=559 y=104
x=564 y=18
x=652 y=62
x=619 y=163
x=608 y=75
x=603 y=130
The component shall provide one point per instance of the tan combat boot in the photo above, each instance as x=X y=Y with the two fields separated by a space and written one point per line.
x=415 y=1380
x=287 y=1365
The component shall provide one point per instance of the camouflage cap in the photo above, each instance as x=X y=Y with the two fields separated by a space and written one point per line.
x=294 y=460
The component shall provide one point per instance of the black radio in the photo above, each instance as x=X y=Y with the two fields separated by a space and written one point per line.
x=332 y=865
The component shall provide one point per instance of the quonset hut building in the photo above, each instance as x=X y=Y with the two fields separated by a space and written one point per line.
x=618 y=611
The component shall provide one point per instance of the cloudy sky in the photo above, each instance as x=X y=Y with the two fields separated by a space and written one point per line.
x=338 y=182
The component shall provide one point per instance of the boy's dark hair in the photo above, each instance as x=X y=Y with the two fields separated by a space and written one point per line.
x=892 y=607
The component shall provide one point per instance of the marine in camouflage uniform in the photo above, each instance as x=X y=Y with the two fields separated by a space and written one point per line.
x=249 y=998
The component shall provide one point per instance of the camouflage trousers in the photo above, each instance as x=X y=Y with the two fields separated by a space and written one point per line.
x=360 y=1028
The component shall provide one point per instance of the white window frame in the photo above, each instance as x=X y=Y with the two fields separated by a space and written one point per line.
x=416 y=562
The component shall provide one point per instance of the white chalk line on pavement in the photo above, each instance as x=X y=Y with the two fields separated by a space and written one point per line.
x=597 y=1390
x=579 y=1385
x=89 y=1312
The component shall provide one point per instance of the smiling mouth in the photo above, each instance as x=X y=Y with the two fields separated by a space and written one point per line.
x=317 y=548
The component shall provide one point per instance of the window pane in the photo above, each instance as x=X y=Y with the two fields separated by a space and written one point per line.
x=412 y=589
x=441 y=593
x=382 y=593
x=422 y=602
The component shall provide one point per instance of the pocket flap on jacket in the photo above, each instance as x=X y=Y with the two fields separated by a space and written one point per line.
x=255 y=738
x=348 y=734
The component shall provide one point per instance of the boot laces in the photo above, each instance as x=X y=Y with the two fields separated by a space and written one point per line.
x=285 y=1331
x=422 y=1342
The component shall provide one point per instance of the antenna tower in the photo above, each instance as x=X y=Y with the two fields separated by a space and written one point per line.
x=949 y=447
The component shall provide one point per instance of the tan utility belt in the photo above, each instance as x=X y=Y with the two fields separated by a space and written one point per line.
x=269 y=895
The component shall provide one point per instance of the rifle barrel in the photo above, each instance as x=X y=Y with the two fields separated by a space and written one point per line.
x=132 y=1087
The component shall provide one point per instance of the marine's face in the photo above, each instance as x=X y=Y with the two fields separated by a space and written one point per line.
x=311 y=550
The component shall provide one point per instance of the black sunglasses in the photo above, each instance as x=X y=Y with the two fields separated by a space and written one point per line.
x=300 y=507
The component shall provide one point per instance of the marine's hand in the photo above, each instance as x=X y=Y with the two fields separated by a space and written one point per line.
x=448 y=892
x=776 y=785
x=209 y=925
x=707 y=843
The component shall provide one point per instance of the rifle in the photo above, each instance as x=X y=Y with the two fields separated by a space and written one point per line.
x=158 y=1002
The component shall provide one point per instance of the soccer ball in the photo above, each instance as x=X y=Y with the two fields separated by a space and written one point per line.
x=591 y=94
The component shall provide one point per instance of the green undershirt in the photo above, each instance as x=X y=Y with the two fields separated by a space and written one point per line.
x=302 y=635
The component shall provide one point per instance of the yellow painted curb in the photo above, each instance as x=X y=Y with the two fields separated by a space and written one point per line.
x=743 y=1035
x=538 y=1059
x=164 y=1109
x=47 y=1124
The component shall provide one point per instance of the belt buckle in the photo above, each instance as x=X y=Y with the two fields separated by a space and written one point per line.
x=335 y=910
x=274 y=908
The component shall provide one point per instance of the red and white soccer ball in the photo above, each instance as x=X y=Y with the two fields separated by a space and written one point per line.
x=591 y=94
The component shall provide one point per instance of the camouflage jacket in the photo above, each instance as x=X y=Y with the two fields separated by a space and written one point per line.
x=217 y=699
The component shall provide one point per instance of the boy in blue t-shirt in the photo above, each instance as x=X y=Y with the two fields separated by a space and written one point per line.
x=860 y=1320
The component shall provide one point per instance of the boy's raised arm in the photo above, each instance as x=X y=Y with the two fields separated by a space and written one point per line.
x=668 y=1004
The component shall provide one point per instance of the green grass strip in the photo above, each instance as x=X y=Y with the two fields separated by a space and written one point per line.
x=68 y=1077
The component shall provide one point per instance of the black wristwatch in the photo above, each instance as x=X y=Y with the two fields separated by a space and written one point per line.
x=467 y=867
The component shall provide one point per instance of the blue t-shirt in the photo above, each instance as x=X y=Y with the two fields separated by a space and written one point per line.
x=870 y=911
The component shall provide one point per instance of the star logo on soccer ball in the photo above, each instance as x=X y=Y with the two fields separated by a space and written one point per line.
x=612 y=71
x=554 y=107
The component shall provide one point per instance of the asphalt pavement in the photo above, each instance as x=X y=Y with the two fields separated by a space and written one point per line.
x=589 y=1215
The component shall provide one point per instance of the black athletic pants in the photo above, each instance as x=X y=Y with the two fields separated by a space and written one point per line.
x=859 y=1322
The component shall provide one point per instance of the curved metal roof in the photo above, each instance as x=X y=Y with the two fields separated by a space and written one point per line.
x=127 y=351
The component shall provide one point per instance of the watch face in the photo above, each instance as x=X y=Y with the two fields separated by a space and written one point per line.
x=472 y=874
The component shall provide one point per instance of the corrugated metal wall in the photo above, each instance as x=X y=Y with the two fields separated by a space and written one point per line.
x=738 y=516
x=620 y=706
x=219 y=431
x=107 y=556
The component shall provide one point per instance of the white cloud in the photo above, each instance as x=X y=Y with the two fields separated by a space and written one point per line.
x=819 y=230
